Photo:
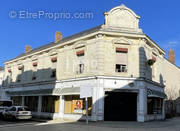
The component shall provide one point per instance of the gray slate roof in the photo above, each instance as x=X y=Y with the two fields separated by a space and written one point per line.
x=52 y=44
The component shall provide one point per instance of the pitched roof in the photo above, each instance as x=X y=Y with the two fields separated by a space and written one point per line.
x=52 y=44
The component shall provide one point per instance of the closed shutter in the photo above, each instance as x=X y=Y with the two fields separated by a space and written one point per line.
x=80 y=59
x=68 y=105
x=121 y=58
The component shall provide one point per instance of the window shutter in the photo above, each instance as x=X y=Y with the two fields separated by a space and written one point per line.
x=54 y=59
x=121 y=58
x=123 y=50
x=78 y=53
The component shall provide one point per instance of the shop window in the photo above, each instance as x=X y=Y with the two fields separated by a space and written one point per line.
x=75 y=105
x=50 y=104
x=154 y=105
x=31 y=102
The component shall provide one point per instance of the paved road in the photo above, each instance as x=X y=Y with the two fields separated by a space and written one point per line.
x=168 y=125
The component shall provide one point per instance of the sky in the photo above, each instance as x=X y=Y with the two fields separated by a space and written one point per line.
x=35 y=22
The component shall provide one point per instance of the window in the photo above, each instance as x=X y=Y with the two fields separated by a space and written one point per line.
x=121 y=68
x=9 y=77
x=17 y=100
x=50 y=104
x=34 y=74
x=31 y=102
x=13 y=109
x=80 y=68
x=121 y=60
x=53 y=74
x=19 y=78
x=154 y=105
x=53 y=70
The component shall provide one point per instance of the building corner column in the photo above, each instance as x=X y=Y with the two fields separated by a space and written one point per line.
x=163 y=109
x=22 y=103
x=142 y=105
x=98 y=101
x=39 y=106
x=61 y=107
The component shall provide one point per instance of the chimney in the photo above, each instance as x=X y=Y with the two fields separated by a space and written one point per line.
x=28 y=48
x=58 y=37
x=171 y=56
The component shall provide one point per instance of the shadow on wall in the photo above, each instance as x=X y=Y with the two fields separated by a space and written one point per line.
x=145 y=71
x=45 y=78
x=28 y=77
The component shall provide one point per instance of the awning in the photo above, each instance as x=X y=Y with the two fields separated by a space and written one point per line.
x=154 y=93
x=55 y=91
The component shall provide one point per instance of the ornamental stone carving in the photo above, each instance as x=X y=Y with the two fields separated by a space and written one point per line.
x=122 y=17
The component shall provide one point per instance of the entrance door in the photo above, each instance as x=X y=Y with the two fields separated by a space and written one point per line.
x=120 y=106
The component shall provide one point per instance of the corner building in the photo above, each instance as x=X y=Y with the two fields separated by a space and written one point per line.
x=121 y=64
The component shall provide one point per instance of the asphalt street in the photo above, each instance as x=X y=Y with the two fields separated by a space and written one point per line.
x=57 y=125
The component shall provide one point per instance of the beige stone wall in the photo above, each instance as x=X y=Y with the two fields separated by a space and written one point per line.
x=1 y=76
x=99 y=59
x=171 y=76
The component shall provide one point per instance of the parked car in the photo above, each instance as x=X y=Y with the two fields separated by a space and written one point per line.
x=17 y=112
x=3 y=105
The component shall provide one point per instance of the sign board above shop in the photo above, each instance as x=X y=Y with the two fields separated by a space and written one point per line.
x=86 y=91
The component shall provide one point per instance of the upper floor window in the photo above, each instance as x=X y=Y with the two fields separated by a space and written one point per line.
x=19 y=73
x=80 y=55
x=9 y=77
x=34 y=73
x=153 y=67
x=54 y=63
x=121 y=60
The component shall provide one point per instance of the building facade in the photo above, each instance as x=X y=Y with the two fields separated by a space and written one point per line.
x=121 y=64
x=1 y=80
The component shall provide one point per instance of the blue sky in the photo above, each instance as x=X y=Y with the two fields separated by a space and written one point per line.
x=160 y=20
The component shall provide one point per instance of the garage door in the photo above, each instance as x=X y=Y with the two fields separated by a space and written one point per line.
x=120 y=106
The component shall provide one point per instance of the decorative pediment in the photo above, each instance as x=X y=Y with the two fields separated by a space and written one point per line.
x=79 y=44
x=155 y=51
x=122 y=17
x=19 y=62
x=53 y=52
x=122 y=40
x=34 y=57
